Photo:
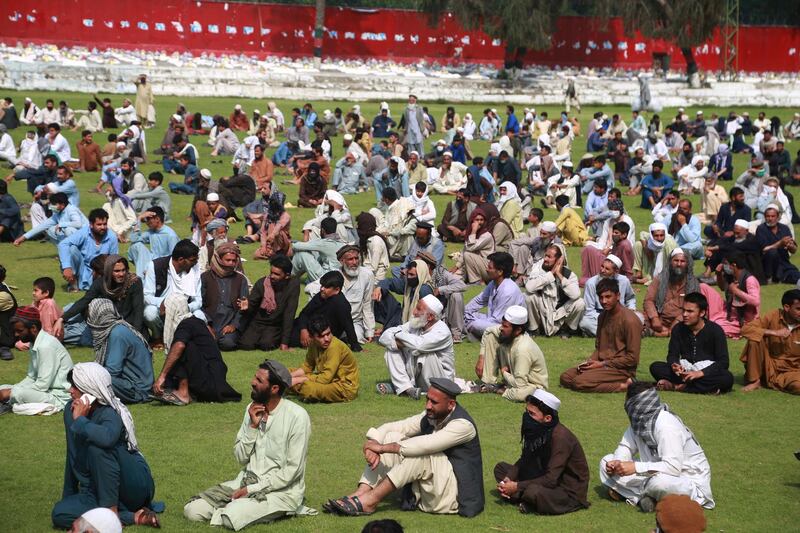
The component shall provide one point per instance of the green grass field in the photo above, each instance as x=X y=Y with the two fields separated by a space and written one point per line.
x=749 y=439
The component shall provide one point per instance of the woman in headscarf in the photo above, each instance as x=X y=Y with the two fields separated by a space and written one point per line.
x=223 y=290
x=121 y=216
x=478 y=246
x=104 y=467
x=122 y=350
x=117 y=284
x=510 y=206
x=312 y=187
x=275 y=226
x=373 y=246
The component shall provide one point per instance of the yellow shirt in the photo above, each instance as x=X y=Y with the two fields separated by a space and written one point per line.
x=571 y=228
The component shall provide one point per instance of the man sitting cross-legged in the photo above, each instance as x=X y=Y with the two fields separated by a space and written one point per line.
x=612 y=365
x=329 y=372
x=551 y=475
x=194 y=368
x=670 y=460
x=434 y=457
x=418 y=351
x=510 y=362
x=46 y=381
x=697 y=360
x=271 y=448
x=772 y=355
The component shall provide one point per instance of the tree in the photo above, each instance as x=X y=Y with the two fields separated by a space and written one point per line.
x=520 y=23
x=687 y=23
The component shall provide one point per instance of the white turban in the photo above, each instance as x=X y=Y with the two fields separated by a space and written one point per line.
x=614 y=259
x=677 y=251
x=212 y=197
x=742 y=223
x=433 y=303
x=547 y=398
x=657 y=226
x=517 y=315
x=548 y=226
x=103 y=520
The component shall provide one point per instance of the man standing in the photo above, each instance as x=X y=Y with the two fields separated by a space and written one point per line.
x=46 y=380
x=553 y=297
x=144 y=101
x=772 y=355
x=271 y=448
x=510 y=362
x=77 y=251
x=500 y=294
x=122 y=351
x=612 y=365
x=418 y=351
x=271 y=307
x=609 y=269
x=551 y=475
x=161 y=238
x=434 y=457
x=671 y=460
x=413 y=122
x=329 y=372
x=697 y=360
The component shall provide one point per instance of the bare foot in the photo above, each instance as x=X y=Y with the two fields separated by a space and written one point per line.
x=624 y=386
x=750 y=387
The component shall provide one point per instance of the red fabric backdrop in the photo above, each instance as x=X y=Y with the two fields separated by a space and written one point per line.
x=272 y=29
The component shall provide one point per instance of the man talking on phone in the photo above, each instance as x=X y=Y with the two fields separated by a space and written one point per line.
x=271 y=448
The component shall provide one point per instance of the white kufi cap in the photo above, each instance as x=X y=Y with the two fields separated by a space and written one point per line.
x=742 y=223
x=614 y=259
x=517 y=315
x=547 y=398
x=433 y=304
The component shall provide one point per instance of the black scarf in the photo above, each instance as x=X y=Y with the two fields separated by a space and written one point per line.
x=536 y=438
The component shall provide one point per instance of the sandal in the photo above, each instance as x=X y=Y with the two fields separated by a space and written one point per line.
x=385 y=389
x=170 y=398
x=351 y=507
x=330 y=505
x=148 y=518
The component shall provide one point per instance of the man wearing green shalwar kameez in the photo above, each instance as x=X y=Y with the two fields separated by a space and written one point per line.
x=271 y=447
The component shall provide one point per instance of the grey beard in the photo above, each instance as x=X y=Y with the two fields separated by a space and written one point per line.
x=351 y=272
x=417 y=322
x=676 y=274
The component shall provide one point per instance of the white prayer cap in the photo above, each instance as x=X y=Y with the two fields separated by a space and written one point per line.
x=548 y=226
x=742 y=223
x=448 y=154
x=677 y=251
x=657 y=226
x=517 y=315
x=680 y=109
x=441 y=141
x=614 y=259
x=413 y=152
x=237 y=107
x=433 y=303
x=121 y=144
x=177 y=118
x=28 y=100
x=212 y=197
x=347 y=137
x=495 y=147
x=206 y=173
x=774 y=206
x=103 y=520
x=256 y=111
x=547 y=398
x=699 y=112
x=494 y=111
x=384 y=105
x=567 y=164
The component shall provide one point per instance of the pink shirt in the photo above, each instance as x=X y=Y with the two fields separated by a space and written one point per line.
x=49 y=312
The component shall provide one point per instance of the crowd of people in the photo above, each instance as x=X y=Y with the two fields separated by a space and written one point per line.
x=511 y=215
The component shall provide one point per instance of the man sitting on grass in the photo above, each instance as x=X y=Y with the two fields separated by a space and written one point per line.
x=329 y=372
x=434 y=457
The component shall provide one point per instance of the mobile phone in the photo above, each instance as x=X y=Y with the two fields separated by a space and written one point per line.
x=88 y=399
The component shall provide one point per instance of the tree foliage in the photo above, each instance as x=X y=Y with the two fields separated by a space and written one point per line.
x=521 y=23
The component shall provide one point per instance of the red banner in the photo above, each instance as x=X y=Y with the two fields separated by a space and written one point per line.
x=283 y=30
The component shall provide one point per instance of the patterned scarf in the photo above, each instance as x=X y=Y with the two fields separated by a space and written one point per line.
x=102 y=318
x=216 y=260
x=643 y=410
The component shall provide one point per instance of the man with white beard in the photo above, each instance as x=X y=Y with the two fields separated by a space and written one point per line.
x=359 y=283
x=417 y=351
